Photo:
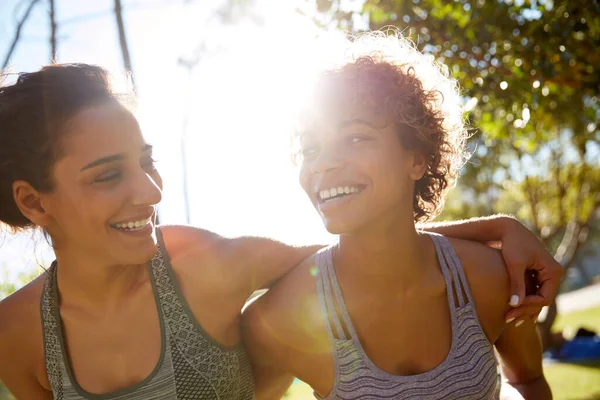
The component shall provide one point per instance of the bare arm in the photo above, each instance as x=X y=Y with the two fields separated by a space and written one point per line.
x=247 y=263
x=480 y=229
x=19 y=347
x=267 y=260
x=21 y=383
x=267 y=354
x=521 y=251
x=520 y=353
x=517 y=342
x=285 y=336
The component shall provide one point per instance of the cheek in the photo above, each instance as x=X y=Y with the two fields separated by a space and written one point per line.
x=90 y=206
x=304 y=178
x=390 y=174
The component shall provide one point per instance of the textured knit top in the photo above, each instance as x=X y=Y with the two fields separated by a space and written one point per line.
x=468 y=372
x=191 y=365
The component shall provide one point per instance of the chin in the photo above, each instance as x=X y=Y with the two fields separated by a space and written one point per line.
x=337 y=227
x=138 y=255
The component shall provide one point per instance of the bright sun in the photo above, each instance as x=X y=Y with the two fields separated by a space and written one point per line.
x=241 y=97
x=240 y=111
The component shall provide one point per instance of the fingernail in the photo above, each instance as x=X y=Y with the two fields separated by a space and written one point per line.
x=508 y=321
x=514 y=300
x=519 y=323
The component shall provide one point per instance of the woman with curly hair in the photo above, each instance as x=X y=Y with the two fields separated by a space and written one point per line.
x=389 y=311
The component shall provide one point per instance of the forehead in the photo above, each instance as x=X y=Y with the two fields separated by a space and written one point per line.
x=335 y=119
x=101 y=130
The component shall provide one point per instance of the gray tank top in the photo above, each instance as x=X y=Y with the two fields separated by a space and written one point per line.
x=468 y=372
x=191 y=365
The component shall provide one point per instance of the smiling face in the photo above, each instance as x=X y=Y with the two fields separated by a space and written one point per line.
x=106 y=188
x=355 y=170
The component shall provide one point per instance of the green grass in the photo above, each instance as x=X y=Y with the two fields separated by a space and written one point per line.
x=568 y=381
x=589 y=318
x=575 y=381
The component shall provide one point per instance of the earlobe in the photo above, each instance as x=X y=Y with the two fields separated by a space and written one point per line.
x=29 y=202
x=419 y=166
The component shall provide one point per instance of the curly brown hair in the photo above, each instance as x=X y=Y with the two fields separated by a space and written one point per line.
x=387 y=74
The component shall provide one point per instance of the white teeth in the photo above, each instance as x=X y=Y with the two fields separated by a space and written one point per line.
x=333 y=192
x=133 y=225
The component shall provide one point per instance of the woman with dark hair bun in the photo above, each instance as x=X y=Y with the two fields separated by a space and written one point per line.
x=128 y=310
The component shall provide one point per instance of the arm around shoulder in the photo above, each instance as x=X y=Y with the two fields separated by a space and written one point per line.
x=264 y=261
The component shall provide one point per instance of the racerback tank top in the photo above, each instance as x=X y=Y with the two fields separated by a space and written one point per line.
x=191 y=365
x=468 y=372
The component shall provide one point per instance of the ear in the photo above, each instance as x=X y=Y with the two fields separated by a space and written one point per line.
x=419 y=165
x=29 y=201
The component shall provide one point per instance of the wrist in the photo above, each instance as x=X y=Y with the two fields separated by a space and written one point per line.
x=503 y=225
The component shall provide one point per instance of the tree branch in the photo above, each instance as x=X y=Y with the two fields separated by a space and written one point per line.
x=52 y=32
x=123 y=42
x=18 y=33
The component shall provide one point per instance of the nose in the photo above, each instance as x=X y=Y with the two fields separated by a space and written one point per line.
x=327 y=160
x=146 y=189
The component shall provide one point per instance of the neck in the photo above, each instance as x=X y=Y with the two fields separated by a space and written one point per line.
x=391 y=253
x=85 y=282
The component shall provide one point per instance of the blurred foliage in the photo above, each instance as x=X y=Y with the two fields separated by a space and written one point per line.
x=530 y=76
x=8 y=286
x=4 y=393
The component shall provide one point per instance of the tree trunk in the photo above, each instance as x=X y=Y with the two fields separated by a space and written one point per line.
x=123 y=42
x=545 y=327
x=52 y=33
x=18 y=33
x=575 y=236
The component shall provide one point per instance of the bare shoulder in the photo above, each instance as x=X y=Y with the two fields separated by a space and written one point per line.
x=20 y=312
x=21 y=337
x=184 y=242
x=488 y=283
x=188 y=241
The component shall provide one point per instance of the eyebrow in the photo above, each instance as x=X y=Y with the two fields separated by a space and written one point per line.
x=112 y=158
x=357 y=121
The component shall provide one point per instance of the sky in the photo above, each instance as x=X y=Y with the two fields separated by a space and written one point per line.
x=239 y=100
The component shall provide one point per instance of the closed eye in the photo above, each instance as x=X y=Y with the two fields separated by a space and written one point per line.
x=150 y=165
x=108 y=176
